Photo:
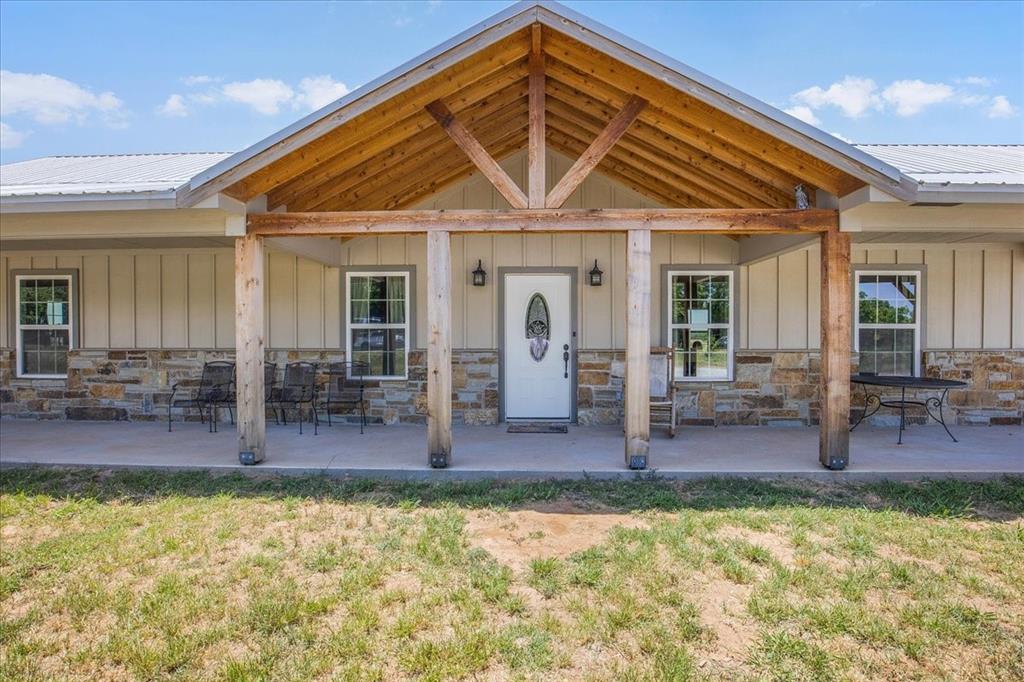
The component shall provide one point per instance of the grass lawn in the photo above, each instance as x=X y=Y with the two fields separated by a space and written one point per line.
x=140 y=575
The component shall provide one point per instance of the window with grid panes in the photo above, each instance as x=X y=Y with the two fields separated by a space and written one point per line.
x=378 y=322
x=700 y=324
x=43 y=325
x=888 y=326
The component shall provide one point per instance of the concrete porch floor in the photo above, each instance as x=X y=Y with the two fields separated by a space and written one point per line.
x=491 y=452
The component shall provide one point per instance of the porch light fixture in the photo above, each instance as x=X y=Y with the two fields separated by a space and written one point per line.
x=595 y=275
x=479 y=275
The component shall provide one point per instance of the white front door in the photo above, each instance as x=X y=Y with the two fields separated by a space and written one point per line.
x=538 y=339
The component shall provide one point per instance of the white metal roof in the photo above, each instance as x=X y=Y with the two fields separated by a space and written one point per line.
x=949 y=165
x=956 y=164
x=103 y=174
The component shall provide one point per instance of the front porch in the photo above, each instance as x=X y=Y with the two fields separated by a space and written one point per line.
x=490 y=452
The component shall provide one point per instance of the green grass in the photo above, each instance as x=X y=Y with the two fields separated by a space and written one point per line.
x=181 y=576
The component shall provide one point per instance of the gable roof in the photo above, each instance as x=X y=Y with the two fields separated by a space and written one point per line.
x=806 y=147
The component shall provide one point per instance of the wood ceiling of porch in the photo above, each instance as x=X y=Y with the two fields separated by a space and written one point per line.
x=680 y=151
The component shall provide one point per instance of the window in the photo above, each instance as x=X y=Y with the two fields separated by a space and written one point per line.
x=378 y=322
x=887 y=334
x=700 y=324
x=44 y=325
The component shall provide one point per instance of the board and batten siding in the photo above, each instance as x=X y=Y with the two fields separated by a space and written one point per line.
x=184 y=298
x=973 y=298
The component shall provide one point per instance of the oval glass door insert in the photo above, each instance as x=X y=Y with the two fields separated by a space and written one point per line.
x=538 y=326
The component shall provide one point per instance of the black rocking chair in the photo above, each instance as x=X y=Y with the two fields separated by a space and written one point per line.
x=216 y=386
x=299 y=388
x=345 y=386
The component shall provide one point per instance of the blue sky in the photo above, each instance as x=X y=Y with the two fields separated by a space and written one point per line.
x=122 y=77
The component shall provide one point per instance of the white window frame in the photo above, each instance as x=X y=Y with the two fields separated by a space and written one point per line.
x=19 y=327
x=731 y=326
x=918 y=309
x=349 y=325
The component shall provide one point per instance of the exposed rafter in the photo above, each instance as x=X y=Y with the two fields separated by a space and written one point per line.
x=484 y=162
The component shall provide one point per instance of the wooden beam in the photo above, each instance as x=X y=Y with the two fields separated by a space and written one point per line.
x=604 y=141
x=836 y=321
x=439 y=349
x=638 y=348
x=490 y=169
x=708 y=221
x=252 y=428
x=536 y=162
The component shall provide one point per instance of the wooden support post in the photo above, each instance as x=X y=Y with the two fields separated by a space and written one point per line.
x=439 y=349
x=536 y=154
x=252 y=422
x=638 y=348
x=836 y=330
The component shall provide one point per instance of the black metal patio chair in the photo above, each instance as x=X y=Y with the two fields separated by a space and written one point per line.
x=216 y=386
x=298 y=389
x=345 y=386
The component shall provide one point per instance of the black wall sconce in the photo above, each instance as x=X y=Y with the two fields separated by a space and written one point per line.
x=595 y=275
x=479 y=275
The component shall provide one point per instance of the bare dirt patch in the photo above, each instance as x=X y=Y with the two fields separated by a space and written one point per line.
x=556 y=529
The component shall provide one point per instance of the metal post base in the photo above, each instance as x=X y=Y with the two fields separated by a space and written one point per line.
x=248 y=457
x=439 y=461
x=638 y=462
x=835 y=463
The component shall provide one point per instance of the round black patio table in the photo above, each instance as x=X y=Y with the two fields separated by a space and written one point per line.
x=903 y=383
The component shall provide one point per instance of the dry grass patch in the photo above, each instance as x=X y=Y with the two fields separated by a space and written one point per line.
x=165 y=576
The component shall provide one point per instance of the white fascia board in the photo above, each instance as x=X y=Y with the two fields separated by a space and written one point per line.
x=72 y=203
x=971 y=194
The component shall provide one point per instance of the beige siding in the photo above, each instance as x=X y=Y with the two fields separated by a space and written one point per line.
x=972 y=299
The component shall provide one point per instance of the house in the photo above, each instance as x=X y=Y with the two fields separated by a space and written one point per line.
x=610 y=199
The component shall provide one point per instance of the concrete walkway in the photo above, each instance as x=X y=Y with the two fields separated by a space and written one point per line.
x=491 y=452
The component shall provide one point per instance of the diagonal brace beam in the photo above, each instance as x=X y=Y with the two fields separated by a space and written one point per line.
x=477 y=154
x=597 y=150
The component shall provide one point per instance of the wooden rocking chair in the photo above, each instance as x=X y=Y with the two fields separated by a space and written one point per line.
x=663 y=388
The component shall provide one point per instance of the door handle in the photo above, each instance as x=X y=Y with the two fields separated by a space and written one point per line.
x=565 y=359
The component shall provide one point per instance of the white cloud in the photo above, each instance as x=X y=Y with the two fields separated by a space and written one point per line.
x=803 y=113
x=9 y=137
x=979 y=81
x=913 y=96
x=198 y=80
x=174 y=107
x=318 y=91
x=265 y=95
x=1001 y=108
x=840 y=136
x=853 y=95
x=51 y=100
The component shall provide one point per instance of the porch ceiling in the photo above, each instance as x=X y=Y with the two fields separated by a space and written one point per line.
x=680 y=152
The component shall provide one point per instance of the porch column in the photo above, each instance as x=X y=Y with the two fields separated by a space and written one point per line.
x=638 y=348
x=439 y=348
x=836 y=331
x=252 y=425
